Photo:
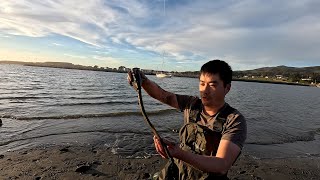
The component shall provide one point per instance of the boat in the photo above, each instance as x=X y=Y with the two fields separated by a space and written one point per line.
x=163 y=75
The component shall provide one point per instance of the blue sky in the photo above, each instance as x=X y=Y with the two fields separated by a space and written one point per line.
x=247 y=34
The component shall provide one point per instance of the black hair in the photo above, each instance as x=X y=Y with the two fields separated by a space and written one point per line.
x=218 y=67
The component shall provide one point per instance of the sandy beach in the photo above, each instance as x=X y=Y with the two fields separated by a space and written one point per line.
x=79 y=162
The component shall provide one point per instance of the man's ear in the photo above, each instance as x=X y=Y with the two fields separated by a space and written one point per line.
x=227 y=88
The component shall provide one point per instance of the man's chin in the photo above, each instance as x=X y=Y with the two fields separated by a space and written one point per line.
x=204 y=102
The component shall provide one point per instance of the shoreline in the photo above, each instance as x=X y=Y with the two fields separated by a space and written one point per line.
x=61 y=65
x=271 y=82
x=89 y=162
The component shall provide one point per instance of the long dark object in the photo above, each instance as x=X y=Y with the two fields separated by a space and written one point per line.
x=137 y=83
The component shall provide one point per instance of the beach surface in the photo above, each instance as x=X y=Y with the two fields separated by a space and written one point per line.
x=87 y=162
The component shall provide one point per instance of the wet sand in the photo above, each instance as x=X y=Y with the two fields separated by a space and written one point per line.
x=78 y=162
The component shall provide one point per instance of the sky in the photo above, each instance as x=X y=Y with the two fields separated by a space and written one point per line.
x=172 y=35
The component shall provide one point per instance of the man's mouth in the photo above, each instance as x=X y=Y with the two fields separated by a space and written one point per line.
x=204 y=98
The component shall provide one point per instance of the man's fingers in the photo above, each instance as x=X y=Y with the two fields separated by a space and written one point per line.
x=158 y=144
x=159 y=147
x=130 y=77
x=161 y=151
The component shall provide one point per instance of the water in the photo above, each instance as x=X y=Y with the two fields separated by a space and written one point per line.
x=48 y=106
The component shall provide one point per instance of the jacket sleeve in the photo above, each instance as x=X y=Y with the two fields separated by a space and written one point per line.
x=184 y=101
x=235 y=129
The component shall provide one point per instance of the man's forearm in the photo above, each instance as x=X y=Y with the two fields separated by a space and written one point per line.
x=155 y=91
x=204 y=163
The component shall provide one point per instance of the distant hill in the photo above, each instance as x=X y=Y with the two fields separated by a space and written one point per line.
x=63 y=65
x=12 y=62
x=49 y=64
x=283 y=73
x=271 y=72
x=280 y=70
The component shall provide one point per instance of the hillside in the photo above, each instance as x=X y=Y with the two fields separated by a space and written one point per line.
x=285 y=74
x=282 y=70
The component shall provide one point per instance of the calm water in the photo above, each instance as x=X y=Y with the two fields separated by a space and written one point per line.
x=47 y=106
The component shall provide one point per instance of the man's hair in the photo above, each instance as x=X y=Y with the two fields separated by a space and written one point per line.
x=218 y=67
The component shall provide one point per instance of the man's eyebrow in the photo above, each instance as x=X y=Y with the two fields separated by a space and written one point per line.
x=214 y=82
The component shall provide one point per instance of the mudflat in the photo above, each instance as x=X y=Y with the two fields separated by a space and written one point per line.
x=83 y=162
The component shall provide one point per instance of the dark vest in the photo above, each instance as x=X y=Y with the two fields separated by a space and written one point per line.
x=200 y=140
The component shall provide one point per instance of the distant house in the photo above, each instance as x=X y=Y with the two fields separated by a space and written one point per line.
x=122 y=68
x=279 y=76
x=148 y=71
x=306 y=79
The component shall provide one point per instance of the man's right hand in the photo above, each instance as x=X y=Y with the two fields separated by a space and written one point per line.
x=154 y=90
x=130 y=77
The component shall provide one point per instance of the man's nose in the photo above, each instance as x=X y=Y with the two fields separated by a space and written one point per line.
x=206 y=88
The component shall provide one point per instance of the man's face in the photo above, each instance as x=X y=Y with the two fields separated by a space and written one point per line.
x=212 y=90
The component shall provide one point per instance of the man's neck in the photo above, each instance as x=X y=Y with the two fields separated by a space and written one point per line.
x=212 y=110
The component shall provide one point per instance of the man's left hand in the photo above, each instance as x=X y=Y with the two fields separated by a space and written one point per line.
x=173 y=148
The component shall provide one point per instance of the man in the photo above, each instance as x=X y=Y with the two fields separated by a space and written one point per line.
x=213 y=133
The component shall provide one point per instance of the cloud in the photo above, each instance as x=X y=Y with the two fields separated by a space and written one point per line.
x=86 y=22
x=108 y=60
x=75 y=56
x=4 y=36
x=57 y=44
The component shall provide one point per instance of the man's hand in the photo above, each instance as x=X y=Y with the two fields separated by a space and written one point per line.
x=130 y=77
x=173 y=148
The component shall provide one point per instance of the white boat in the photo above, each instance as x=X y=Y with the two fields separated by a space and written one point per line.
x=163 y=75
